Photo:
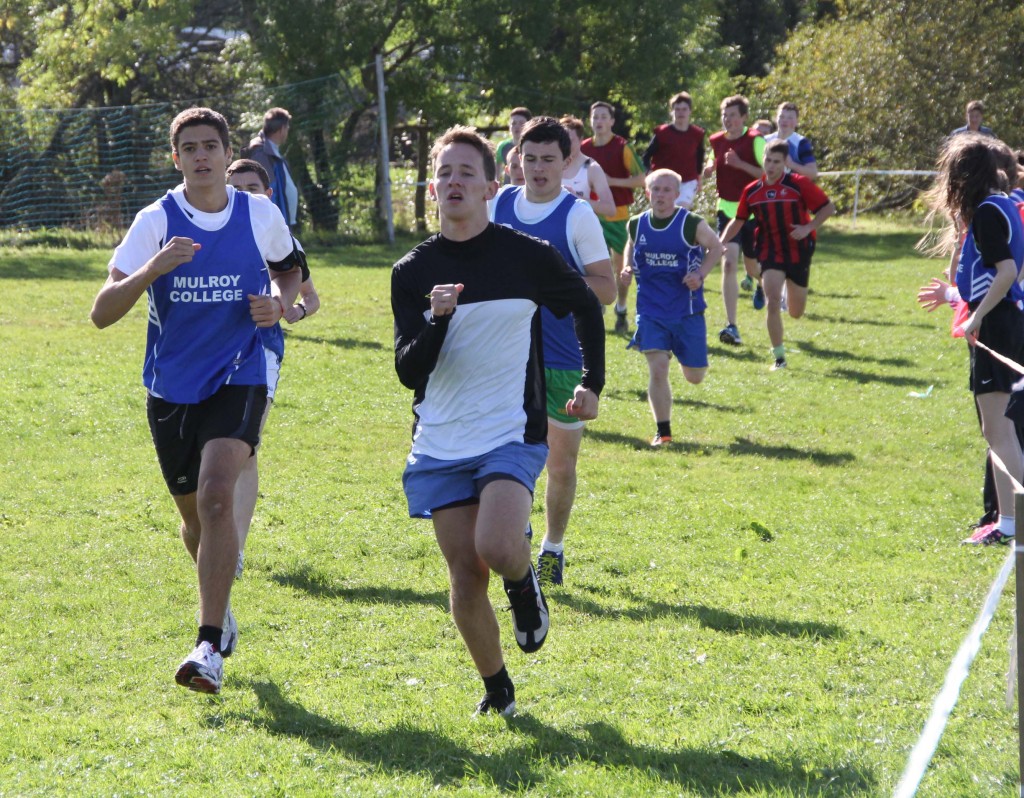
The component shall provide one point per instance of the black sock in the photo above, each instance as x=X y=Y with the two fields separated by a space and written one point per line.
x=211 y=635
x=665 y=429
x=498 y=681
x=518 y=584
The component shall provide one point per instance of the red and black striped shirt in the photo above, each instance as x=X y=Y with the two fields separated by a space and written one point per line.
x=777 y=208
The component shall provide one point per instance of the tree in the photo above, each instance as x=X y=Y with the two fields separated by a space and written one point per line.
x=452 y=61
x=83 y=53
x=881 y=87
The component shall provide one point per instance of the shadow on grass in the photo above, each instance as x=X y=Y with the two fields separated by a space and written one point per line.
x=816 y=456
x=320 y=587
x=864 y=377
x=734 y=352
x=640 y=395
x=740 y=446
x=341 y=343
x=840 y=354
x=870 y=322
x=713 y=618
x=426 y=753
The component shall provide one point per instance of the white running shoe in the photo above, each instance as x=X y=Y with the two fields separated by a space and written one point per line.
x=202 y=670
x=229 y=634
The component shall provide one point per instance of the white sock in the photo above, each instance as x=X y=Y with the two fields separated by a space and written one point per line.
x=1006 y=524
x=558 y=548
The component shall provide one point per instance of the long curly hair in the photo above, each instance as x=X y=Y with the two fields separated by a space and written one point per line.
x=971 y=166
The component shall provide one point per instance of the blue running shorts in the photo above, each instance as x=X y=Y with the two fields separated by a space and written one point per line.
x=687 y=339
x=432 y=484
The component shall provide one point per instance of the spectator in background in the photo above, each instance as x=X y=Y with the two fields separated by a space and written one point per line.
x=975 y=116
x=265 y=149
x=766 y=126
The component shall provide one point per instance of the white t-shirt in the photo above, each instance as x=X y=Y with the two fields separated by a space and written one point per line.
x=583 y=228
x=148 y=232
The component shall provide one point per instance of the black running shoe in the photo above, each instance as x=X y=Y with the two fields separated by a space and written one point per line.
x=502 y=701
x=621 y=325
x=529 y=613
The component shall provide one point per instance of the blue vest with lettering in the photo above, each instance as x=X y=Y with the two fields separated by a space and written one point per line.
x=973 y=277
x=561 y=348
x=661 y=259
x=201 y=335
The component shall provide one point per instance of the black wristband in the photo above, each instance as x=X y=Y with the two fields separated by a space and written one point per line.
x=301 y=305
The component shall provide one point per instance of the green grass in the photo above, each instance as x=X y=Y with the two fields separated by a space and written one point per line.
x=768 y=608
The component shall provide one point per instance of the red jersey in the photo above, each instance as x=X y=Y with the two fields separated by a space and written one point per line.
x=730 y=180
x=681 y=151
x=613 y=159
x=776 y=207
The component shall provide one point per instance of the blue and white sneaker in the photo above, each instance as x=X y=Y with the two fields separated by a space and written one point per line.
x=550 y=566
x=202 y=670
x=730 y=335
x=529 y=613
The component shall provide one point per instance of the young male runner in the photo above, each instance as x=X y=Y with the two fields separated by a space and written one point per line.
x=545 y=210
x=801 y=154
x=467 y=343
x=625 y=173
x=781 y=204
x=666 y=252
x=249 y=176
x=514 y=168
x=201 y=255
x=738 y=152
x=679 y=146
x=583 y=176
x=516 y=120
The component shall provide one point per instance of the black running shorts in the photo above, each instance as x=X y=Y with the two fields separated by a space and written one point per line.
x=181 y=431
x=1002 y=330
x=799 y=273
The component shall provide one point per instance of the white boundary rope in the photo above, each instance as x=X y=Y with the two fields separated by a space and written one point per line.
x=924 y=749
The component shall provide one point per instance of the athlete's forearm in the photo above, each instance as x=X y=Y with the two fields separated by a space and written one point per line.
x=119 y=295
x=823 y=214
x=809 y=170
x=601 y=279
x=309 y=297
x=285 y=285
x=731 y=230
x=751 y=169
x=589 y=325
x=633 y=181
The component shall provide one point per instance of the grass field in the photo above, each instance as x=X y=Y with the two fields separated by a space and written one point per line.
x=768 y=608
